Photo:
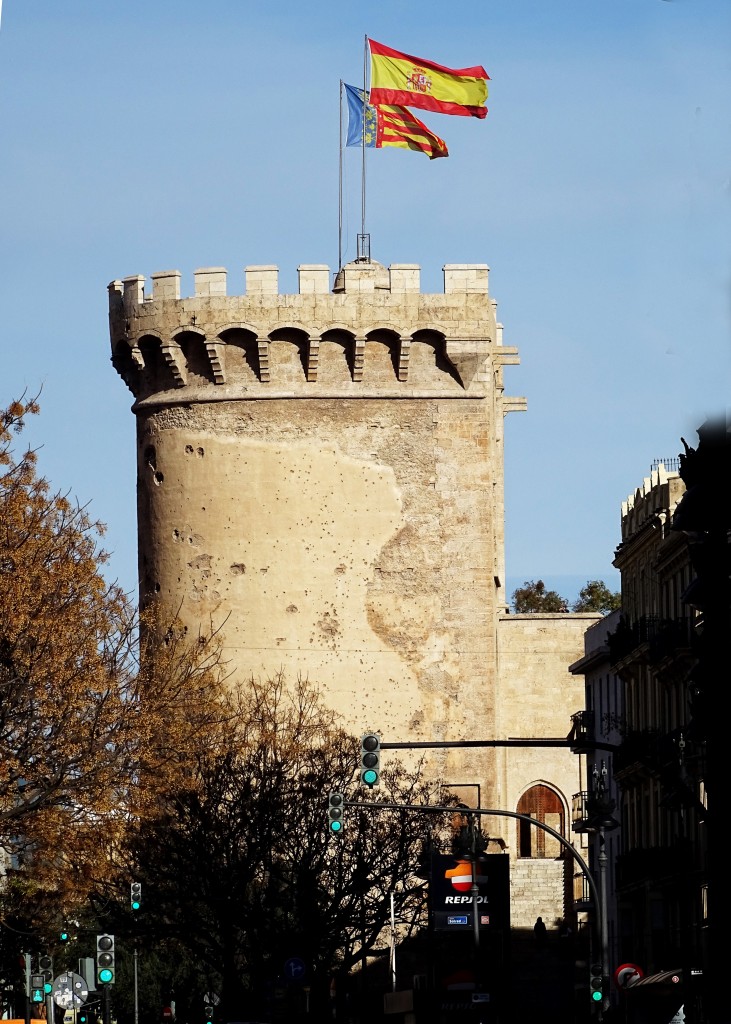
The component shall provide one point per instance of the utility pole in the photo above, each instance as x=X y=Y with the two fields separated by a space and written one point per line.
x=27 y=964
x=137 y=1004
x=601 y=806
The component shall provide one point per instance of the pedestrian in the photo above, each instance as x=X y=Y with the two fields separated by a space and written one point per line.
x=540 y=933
x=566 y=943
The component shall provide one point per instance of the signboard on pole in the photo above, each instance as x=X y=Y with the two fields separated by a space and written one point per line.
x=70 y=991
x=450 y=893
x=627 y=975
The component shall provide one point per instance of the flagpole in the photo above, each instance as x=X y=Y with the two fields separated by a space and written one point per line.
x=340 y=182
x=363 y=147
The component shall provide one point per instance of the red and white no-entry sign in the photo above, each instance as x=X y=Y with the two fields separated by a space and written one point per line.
x=627 y=975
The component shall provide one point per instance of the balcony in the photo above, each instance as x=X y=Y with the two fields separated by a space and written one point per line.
x=580 y=812
x=591 y=811
x=651 y=637
x=582 y=736
x=649 y=751
x=582 y=893
x=671 y=638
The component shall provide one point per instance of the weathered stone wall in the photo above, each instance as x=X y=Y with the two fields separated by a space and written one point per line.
x=538 y=695
x=536 y=890
x=320 y=475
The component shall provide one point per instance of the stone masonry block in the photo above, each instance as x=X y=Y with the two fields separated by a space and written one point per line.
x=210 y=281
x=133 y=290
x=314 y=278
x=405 y=277
x=262 y=280
x=465 y=277
x=166 y=284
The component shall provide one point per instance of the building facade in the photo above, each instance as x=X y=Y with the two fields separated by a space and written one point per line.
x=661 y=869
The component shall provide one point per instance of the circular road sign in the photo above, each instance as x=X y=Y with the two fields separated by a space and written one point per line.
x=70 y=991
x=626 y=975
x=295 y=969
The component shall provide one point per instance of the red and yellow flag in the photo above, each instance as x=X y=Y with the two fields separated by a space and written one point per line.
x=399 y=127
x=397 y=79
x=379 y=127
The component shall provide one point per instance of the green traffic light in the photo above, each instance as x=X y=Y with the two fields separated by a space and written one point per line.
x=48 y=988
x=596 y=996
x=106 y=976
x=370 y=777
x=335 y=826
x=135 y=905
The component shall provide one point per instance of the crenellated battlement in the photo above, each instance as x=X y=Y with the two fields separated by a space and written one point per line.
x=373 y=329
x=654 y=501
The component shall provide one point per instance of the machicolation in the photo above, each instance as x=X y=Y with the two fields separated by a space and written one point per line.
x=373 y=330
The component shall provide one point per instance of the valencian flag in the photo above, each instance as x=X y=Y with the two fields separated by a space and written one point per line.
x=398 y=78
x=388 y=126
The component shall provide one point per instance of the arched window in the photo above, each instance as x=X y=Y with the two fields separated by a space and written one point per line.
x=543 y=804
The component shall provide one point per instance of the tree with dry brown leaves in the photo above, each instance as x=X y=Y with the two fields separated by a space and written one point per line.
x=91 y=723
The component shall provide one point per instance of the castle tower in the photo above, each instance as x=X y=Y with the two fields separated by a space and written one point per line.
x=321 y=476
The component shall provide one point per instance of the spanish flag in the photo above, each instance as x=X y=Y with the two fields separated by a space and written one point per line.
x=399 y=79
x=380 y=127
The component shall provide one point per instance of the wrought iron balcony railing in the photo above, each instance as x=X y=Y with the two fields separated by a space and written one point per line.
x=659 y=637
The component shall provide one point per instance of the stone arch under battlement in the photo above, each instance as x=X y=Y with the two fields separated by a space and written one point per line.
x=187 y=355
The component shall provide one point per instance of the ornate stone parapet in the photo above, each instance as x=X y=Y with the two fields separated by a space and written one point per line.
x=374 y=330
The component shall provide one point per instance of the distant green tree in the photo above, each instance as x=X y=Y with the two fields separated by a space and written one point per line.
x=533 y=597
x=595 y=596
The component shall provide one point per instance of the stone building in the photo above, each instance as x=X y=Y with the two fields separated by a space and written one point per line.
x=321 y=476
x=661 y=872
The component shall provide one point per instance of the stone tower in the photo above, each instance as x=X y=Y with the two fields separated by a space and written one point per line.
x=321 y=476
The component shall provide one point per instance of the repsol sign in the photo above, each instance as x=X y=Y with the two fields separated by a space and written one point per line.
x=451 y=886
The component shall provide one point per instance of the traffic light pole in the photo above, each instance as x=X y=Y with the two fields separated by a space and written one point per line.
x=137 y=1003
x=602 y=859
x=27 y=970
x=550 y=741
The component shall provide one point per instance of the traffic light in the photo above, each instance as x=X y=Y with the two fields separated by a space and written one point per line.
x=63 y=935
x=37 y=994
x=45 y=966
x=335 y=813
x=370 y=759
x=135 y=895
x=105 y=959
x=208 y=1011
x=596 y=984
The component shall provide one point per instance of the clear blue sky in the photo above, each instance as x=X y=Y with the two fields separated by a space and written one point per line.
x=156 y=135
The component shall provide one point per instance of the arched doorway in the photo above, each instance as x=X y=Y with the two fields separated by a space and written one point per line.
x=545 y=805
